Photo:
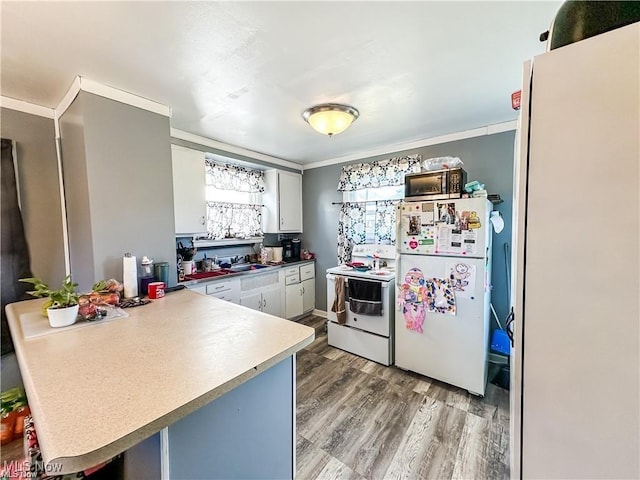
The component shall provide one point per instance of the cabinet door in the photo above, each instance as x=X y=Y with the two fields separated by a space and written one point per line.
x=189 y=200
x=253 y=301
x=293 y=300
x=271 y=302
x=290 y=201
x=308 y=295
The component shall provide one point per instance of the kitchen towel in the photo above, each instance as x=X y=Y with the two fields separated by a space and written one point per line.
x=365 y=297
x=338 y=302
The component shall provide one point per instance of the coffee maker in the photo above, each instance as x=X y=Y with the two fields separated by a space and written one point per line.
x=291 y=250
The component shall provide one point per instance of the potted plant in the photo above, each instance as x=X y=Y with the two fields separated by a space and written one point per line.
x=62 y=305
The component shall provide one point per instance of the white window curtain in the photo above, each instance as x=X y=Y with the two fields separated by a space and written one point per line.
x=355 y=217
x=239 y=219
x=353 y=229
x=236 y=218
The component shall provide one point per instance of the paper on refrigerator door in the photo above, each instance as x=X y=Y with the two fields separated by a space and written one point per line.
x=412 y=299
x=416 y=230
x=463 y=278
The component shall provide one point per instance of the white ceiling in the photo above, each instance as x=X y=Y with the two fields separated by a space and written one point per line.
x=242 y=73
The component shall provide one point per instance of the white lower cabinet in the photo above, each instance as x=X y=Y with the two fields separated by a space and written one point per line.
x=289 y=292
x=300 y=293
x=252 y=300
x=308 y=295
x=293 y=300
x=262 y=292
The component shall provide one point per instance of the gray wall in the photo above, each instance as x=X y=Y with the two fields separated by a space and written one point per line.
x=37 y=164
x=117 y=174
x=488 y=159
x=39 y=190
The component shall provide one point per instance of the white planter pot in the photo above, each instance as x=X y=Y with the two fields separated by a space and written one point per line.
x=62 y=317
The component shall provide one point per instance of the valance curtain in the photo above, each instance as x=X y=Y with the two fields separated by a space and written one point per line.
x=240 y=218
x=225 y=176
x=381 y=173
x=352 y=222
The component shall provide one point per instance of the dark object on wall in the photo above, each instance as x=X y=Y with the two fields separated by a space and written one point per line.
x=13 y=244
x=577 y=20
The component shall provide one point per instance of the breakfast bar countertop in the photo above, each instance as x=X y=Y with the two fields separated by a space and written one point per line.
x=98 y=390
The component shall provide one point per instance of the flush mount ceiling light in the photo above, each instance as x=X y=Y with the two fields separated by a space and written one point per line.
x=330 y=118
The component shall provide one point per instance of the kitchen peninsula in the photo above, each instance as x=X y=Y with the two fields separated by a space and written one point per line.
x=217 y=380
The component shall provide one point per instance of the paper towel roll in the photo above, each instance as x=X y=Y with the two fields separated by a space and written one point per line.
x=130 y=276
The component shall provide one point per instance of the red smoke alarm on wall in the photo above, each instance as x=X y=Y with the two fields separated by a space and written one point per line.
x=515 y=100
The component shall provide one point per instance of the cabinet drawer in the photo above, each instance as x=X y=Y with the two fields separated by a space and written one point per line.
x=291 y=279
x=291 y=271
x=217 y=287
x=307 y=271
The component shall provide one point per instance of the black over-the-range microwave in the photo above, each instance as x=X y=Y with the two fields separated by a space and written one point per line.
x=435 y=185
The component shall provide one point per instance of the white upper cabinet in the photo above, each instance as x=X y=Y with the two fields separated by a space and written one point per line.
x=283 y=202
x=189 y=198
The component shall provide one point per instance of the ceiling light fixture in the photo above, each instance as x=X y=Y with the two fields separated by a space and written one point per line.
x=330 y=118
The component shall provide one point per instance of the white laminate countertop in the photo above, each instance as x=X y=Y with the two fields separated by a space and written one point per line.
x=98 y=390
x=245 y=274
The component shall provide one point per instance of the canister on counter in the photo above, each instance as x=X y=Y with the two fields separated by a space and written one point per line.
x=161 y=272
x=156 y=290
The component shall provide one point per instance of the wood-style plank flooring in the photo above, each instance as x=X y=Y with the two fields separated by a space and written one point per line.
x=359 y=420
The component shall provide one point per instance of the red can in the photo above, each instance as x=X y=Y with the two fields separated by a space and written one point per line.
x=156 y=290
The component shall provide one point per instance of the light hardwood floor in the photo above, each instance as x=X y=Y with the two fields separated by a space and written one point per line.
x=359 y=420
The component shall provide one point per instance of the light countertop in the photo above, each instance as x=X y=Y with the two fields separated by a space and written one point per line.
x=268 y=269
x=98 y=390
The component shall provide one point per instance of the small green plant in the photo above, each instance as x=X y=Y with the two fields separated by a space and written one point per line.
x=62 y=298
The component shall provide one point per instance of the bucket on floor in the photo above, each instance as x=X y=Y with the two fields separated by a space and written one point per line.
x=500 y=342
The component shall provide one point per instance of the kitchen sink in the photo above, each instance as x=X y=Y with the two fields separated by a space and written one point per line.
x=245 y=267
x=241 y=267
x=237 y=268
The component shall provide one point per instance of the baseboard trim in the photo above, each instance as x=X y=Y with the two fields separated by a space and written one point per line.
x=320 y=313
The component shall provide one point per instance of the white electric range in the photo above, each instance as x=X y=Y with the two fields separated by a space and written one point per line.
x=369 y=303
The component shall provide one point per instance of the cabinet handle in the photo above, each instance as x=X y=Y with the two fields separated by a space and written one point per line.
x=203 y=220
x=259 y=304
x=303 y=290
x=264 y=302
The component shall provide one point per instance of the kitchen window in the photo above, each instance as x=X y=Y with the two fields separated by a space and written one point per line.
x=234 y=200
x=370 y=193
x=377 y=212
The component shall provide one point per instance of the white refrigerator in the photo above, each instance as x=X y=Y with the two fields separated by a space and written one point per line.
x=443 y=277
x=575 y=387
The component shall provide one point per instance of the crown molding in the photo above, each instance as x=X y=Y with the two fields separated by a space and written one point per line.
x=91 y=86
x=390 y=149
x=26 y=107
x=225 y=147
